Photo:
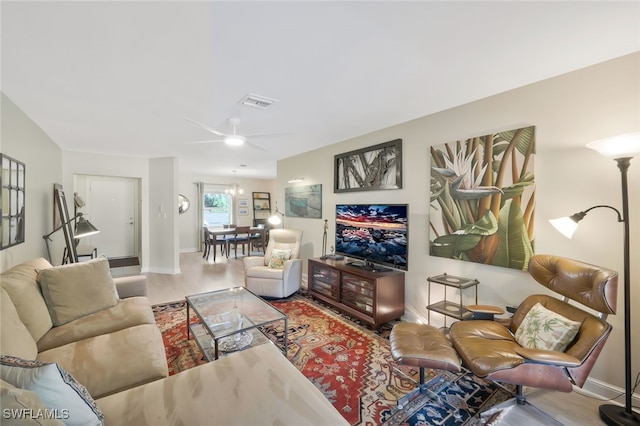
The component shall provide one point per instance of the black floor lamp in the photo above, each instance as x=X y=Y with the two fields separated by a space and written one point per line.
x=622 y=149
x=83 y=228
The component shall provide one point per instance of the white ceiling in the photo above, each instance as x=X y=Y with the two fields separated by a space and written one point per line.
x=119 y=77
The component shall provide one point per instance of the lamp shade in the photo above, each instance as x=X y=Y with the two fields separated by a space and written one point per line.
x=622 y=146
x=565 y=225
x=84 y=228
x=275 y=219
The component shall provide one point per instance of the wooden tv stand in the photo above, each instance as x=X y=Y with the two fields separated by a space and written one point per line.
x=371 y=296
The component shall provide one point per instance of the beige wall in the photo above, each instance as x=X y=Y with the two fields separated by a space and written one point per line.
x=20 y=138
x=568 y=112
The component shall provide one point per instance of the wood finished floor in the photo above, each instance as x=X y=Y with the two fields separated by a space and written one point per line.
x=199 y=275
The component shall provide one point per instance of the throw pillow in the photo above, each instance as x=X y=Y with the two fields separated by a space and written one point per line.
x=78 y=289
x=278 y=258
x=21 y=407
x=65 y=398
x=545 y=329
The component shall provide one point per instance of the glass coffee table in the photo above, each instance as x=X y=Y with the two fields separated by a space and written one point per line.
x=230 y=321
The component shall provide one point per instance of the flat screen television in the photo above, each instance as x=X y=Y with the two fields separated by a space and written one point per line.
x=375 y=234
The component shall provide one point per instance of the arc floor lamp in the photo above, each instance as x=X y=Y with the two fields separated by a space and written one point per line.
x=277 y=218
x=622 y=149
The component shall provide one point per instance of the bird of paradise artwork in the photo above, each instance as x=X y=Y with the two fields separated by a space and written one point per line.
x=483 y=198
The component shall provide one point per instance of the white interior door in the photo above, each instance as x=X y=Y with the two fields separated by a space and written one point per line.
x=113 y=210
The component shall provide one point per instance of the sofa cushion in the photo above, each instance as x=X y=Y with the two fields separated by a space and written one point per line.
x=57 y=389
x=131 y=286
x=21 y=407
x=126 y=313
x=78 y=289
x=21 y=284
x=113 y=362
x=15 y=339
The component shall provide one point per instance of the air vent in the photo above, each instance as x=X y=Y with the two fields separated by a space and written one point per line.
x=257 y=101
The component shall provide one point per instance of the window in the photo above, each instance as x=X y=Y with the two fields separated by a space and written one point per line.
x=217 y=209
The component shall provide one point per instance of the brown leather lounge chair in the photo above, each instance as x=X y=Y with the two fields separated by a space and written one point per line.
x=549 y=343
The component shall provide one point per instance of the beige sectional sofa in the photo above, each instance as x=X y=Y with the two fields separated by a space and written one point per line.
x=77 y=319
x=71 y=315
x=253 y=387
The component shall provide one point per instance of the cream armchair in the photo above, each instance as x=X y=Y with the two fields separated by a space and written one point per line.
x=278 y=273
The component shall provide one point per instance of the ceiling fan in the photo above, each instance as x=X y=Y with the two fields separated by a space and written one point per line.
x=233 y=138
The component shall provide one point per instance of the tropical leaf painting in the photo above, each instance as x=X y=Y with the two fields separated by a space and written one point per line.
x=482 y=199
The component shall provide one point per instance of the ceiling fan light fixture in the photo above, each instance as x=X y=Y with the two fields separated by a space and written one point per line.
x=234 y=140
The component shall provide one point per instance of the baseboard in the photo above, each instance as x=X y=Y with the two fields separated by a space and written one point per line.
x=607 y=392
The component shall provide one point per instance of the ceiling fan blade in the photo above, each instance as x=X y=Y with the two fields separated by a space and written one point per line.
x=261 y=135
x=204 y=126
x=253 y=145
x=197 y=142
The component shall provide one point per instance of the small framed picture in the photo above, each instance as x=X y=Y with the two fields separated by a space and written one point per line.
x=243 y=211
x=243 y=202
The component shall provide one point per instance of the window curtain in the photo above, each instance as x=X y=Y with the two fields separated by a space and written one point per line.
x=200 y=216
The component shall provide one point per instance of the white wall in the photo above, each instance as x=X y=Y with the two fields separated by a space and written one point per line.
x=163 y=216
x=20 y=138
x=568 y=112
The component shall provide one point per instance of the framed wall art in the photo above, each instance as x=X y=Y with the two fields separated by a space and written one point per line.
x=12 y=202
x=482 y=199
x=303 y=201
x=373 y=168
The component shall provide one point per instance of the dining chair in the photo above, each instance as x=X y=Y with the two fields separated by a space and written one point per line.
x=242 y=237
x=211 y=240
x=256 y=240
x=206 y=242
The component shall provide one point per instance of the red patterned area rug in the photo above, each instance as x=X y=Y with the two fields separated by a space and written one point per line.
x=349 y=363
x=182 y=354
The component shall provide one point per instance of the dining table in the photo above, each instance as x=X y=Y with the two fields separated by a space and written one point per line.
x=215 y=231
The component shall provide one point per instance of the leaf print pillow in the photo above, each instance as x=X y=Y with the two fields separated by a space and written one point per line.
x=545 y=329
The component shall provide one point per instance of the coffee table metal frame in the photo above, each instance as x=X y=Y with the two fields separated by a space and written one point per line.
x=210 y=306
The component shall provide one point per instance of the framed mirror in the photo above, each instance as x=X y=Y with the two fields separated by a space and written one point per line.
x=12 y=202
x=183 y=203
